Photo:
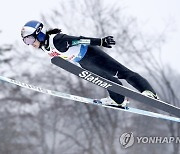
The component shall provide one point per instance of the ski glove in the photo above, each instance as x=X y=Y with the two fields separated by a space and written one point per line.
x=107 y=42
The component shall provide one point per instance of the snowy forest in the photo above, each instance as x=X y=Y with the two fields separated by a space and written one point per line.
x=35 y=123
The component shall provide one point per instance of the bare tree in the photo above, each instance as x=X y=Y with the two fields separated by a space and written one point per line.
x=158 y=74
x=105 y=123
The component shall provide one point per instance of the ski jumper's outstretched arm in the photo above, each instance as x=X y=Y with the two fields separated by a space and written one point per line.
x=63 y=41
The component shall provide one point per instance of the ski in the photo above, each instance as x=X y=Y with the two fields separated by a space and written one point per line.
x=112 y=86
x=88 y=100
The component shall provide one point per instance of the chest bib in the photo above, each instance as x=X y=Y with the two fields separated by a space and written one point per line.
x=74 y=53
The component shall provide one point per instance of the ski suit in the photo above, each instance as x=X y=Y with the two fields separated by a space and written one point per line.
x=92 y=58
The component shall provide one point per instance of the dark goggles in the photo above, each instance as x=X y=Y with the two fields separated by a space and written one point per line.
x=29 y=40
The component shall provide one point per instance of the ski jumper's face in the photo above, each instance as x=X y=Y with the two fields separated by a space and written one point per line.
x=36 y=44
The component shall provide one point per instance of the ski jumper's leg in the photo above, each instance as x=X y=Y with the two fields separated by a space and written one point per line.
x=116 y=97
x=95 y=64
x=105 y=64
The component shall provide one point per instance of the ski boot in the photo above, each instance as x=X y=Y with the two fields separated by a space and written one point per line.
x=150 y=94
x=109 y=102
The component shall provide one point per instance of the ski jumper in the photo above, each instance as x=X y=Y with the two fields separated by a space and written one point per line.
x=86 y=52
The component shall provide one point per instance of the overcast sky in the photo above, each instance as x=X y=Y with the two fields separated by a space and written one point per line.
x=152 y=16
